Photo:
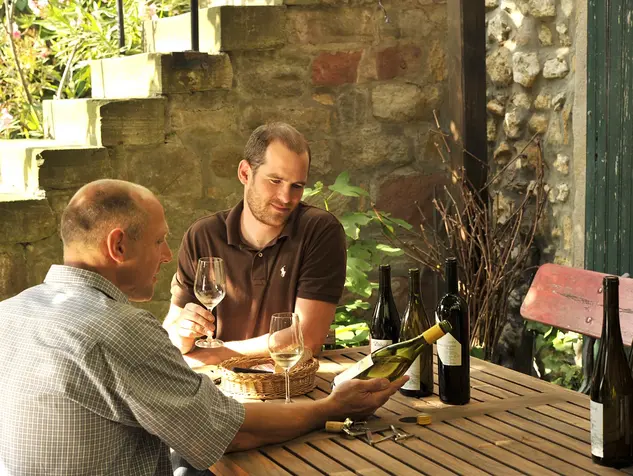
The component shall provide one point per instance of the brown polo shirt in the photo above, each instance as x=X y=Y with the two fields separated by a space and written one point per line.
x=306 y=260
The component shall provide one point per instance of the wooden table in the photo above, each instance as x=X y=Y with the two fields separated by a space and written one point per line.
x=514 y=424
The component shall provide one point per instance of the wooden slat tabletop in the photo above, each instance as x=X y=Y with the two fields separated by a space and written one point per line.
x=514 y=424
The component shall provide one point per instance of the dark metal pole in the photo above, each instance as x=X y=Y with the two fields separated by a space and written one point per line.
x=119 y=7
x=195 y=44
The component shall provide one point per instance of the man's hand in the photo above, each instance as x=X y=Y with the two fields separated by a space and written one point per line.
x=195 y=321
x=185 y=325
x=361 y=398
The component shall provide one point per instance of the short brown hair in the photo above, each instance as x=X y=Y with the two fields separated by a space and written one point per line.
x=263 y=136
x=99 y=207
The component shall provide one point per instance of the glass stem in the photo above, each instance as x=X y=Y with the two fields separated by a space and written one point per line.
x=287 y=385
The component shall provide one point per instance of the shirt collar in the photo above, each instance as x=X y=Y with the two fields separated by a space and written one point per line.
x=234 y=236
x=59 y=274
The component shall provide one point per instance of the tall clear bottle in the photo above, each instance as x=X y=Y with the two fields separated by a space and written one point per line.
x=453 y=350
x=414 y=322
x=611 y=406
x=385 y=322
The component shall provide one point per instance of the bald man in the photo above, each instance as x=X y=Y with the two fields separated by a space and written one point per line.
x=93 y=386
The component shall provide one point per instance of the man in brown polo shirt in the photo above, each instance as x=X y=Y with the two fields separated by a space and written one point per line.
x=280 y=255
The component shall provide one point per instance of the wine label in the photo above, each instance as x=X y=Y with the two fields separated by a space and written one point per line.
x=375 y=344
x=414 y=376
x=360 y=366
x=597 y=436
x=449 y=350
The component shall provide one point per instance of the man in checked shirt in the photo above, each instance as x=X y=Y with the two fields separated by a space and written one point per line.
x=93 y=386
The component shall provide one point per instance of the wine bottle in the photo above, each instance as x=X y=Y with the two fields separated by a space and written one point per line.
x=414 y=322
x=611 y=406
x=453 y=350
x=385 y=322
x=393 y=361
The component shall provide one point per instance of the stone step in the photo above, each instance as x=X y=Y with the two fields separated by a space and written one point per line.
x=30 y=167
x=222 y=28
x=156 y=74
x=105 y=122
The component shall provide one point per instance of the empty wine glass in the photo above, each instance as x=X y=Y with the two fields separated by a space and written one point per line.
x=285 y=343
x=210 y=289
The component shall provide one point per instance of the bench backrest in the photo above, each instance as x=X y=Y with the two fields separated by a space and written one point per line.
x=572 y=299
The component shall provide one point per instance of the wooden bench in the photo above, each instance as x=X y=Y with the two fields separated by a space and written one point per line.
x=571 y=299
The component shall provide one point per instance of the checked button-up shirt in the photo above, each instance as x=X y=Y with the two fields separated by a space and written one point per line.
x=90 y=385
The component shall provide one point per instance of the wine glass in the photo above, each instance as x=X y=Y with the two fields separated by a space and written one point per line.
x=285 y=343
x=210 y=289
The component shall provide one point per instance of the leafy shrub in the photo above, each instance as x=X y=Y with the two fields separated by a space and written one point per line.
x=363 y=256
x=52 y=36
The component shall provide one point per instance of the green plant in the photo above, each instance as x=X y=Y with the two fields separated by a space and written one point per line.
x=46 y=46
x=363 y=255
x=555 y=354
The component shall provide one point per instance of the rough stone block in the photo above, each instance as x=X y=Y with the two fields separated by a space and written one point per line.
x=400 y=60
x=353 y=107
x=312 y=121
x=538 y=123
x=105 y=122
x=12 y=270
x=334 y=69
x=525 y=68
x=73 y=167
x=398 y=102
x=325 y=26
x=555 y=68
x=273 y=73
x=169 y=169
x=545 y=35
x=499 y=67
x=252 y=28
x=26 y=221
x=371 y=147
x=155 y=74
x=542 y=8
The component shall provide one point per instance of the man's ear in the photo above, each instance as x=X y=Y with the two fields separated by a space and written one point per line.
x=244 y=172
x=116 y=244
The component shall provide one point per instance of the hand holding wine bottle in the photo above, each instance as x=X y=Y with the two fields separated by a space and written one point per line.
x=358 y=399
x=393 y=361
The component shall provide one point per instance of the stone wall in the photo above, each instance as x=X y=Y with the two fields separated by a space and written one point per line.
x=531 y=55
x=361 y=89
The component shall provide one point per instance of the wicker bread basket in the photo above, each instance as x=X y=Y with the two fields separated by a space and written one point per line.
x=267 y=386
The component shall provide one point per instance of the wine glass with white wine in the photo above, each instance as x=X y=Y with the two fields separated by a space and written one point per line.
x=210 y=289
x=285 y=343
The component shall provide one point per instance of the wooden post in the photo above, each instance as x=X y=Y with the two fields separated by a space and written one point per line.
x=467 y=86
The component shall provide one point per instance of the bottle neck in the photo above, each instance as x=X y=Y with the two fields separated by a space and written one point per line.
x=611 y=321
x=451 y=276
x=384 y=281
x=414 y=284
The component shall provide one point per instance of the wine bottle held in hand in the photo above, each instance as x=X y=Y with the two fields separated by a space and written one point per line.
x=414 y=322
x=392 y=362
x=453 y=350
x=611 y=406
x=385 y=322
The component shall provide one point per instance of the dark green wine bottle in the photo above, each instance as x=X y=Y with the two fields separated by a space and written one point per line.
x=385 y=322
x=414 y=322
x=453 y=350
x=391 y=362
x=611 y=406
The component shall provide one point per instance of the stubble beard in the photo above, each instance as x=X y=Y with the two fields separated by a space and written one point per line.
x=262 y=210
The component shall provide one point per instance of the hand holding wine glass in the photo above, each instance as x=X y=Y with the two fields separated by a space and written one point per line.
x=285 y=343
x=210 y=289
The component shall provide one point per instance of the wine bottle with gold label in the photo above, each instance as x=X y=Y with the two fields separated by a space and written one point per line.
x=414 y=322
x=394 y=360
x=453 y=350
x=385 y=322
x=611 y=405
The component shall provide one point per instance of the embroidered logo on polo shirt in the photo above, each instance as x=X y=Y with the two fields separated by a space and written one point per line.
x=283 y=271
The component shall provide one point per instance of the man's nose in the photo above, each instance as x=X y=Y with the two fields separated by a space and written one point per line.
x=285 y=195
x=167 y=254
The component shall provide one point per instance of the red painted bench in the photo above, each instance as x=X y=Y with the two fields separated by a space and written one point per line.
x=571 y=299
